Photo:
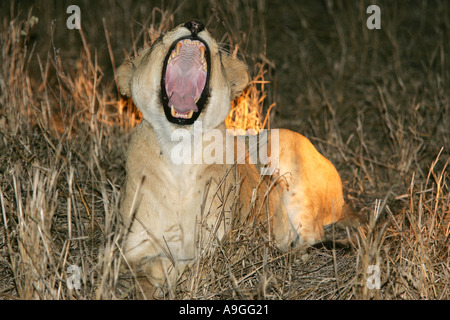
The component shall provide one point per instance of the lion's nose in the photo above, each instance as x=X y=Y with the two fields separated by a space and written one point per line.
x=194 y=26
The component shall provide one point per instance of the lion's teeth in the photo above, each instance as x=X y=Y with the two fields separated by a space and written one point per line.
x=202 y=53
x=178 y=47
x=181 y=115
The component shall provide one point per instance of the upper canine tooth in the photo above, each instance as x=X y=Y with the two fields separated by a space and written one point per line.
x=202 y=53
x=178 y=47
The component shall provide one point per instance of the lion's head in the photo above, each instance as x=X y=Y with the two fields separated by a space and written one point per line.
x=182 y=78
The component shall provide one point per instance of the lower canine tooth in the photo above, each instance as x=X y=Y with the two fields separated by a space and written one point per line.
x=189 y=115
x=172 y=111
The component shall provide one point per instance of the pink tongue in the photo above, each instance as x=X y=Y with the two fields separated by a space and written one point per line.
x=185 y=79
x=182 y=104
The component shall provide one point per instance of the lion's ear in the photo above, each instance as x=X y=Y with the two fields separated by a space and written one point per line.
x=237 y=74
x=125 y=73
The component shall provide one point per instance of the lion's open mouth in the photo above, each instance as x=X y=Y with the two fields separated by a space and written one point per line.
x=185 y=80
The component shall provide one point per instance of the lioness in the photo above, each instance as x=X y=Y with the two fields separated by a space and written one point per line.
x=173 y=210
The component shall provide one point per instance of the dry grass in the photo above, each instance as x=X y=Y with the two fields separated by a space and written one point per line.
x=375 y=102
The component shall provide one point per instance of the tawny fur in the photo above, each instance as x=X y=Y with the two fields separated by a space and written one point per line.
x=175 y=211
